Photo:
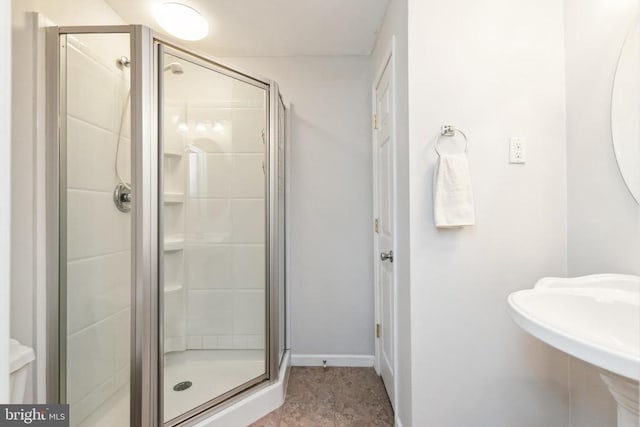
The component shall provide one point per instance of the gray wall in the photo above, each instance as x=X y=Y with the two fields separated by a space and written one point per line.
x=5 y=208
x=603 y=219
x=495 y=69
x=331 y=280
x=27 y=165
x=23 y=171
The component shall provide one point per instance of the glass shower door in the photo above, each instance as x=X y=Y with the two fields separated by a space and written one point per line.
x=213 y=210
x=169 y=223
x=95 y=234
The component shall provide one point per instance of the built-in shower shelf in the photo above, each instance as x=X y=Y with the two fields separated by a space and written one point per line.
x=172 y=245
x=173 y=198
x=172 y=154
x=172 y=287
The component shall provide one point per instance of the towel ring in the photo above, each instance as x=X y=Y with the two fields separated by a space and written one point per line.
x=450 y=130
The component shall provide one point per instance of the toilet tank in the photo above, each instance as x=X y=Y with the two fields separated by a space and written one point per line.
x=20 y=357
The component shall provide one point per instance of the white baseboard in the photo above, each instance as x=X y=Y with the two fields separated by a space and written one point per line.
x=398 y=422
x=343 y=360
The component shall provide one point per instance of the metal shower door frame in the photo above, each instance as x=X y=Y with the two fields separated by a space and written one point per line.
x=167 y=46
x=146 y=164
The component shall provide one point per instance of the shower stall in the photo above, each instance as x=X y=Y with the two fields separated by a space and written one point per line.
x=166 y=229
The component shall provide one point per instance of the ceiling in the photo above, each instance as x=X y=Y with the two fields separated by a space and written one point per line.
x=275 y=27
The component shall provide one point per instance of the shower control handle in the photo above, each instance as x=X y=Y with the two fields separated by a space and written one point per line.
x=126 y=197
x=122 y=197
x=384 y=256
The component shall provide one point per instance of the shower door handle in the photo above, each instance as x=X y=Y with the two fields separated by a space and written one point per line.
x=386 y=256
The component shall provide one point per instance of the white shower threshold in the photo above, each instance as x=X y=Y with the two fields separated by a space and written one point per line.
x=254 y=406
x=212 y=373
x=113 y=412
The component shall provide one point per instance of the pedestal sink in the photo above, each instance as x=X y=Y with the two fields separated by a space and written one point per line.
x=593 y=318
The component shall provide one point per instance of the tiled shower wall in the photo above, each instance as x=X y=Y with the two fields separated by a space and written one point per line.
x=225 y=274
x=98 y=235
x=224 y=219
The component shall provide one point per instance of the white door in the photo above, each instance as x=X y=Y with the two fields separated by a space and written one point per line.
x=384 y=226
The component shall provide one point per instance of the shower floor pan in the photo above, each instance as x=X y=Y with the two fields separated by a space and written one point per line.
x=211 y=372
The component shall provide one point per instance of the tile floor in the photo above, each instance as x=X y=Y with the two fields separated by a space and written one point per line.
x=332 y=397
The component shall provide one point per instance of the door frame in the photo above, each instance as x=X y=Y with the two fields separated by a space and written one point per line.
x=388 y=60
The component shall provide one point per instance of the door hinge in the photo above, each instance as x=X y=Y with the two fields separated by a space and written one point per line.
x=376 y=225
x=377 y=330
x=375 y=121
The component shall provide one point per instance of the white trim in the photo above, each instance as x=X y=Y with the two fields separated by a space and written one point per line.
x=389 y=59
x=40 y=138
x=397 y=421
x=334 y=360
x=287 y=216
x=390 y=53
x=5 y=190
x=374 y=180
x=253 y=407
x=394 y=79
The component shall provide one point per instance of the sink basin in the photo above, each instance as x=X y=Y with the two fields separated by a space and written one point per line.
x=593 y=318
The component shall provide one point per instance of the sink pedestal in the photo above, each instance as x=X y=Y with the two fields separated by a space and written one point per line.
x=627 y=395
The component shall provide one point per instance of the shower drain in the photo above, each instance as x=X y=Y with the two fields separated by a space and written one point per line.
x=182 y=386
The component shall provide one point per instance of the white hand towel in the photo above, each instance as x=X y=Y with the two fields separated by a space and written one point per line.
x=453 y=199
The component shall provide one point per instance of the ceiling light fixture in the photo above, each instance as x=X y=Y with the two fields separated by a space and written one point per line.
x=181 y=21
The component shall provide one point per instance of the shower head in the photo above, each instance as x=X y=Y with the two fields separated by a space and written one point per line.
x=175 y=68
